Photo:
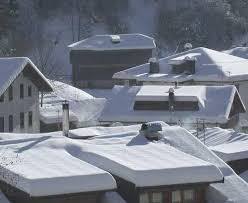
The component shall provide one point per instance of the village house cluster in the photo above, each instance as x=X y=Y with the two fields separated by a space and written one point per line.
x=131 y=128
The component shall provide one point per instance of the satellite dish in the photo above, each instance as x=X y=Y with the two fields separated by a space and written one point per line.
x=188 y=46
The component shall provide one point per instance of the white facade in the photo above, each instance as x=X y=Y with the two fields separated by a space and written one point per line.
x=29 y=105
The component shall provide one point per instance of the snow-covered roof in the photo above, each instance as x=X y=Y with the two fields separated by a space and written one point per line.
x=10 y=68
x=244 y=175
x=40 y=165
x=104 y=42
x=232 y=190
x=210 y=65
x=241 y=52
x=214 y=103
x=231 y=151
x=83 y=108
x=218 y=136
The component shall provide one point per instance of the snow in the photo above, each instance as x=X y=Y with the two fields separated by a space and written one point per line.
x=214 y=104
x=112 y=197
x=231 y=152
x=104 y=42
x=241 y=52
x=122 y=147
x=244 y=176
x=83 y=108
x=211 y=65
x=10 y=68
x=3 y=199
x=217 y=136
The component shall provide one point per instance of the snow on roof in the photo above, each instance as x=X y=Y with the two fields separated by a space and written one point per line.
x=214 y=104
x=83 y=108
x=210 y=65
x=231 y=151
x=244 y=176
x=232 y=190
x=218 y=136
x=41 y=165
x=10 y=68
x=104 y=42
x=241 y=52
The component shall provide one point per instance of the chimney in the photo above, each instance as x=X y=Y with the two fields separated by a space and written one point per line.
x=151 y=130
x=171 y=99
x=154 y=65
x=65 y=106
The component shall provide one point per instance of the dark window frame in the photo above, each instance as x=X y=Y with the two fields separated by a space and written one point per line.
x=21 y=91
x=165 y=106
x=10 y=123
x=30 y=118
x=2 y=98
x=10 y=91
x=22 y=120
x=2 y=120
x=30 y=90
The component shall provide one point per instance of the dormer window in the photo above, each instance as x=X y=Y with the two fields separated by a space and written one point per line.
x=184 y=64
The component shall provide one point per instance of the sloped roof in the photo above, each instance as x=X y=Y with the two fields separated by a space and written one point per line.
x=211 y=65
x=10 y=68
x=241 y=52
x=103 y=42
x=214 y=103
x=41 y=166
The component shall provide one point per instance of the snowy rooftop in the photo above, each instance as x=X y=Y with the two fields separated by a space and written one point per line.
x=104 y=145
x=210 y=65
x=10 y=68
x=40 y=165
x=214 y=103
x=232 y=151
x=241 y=52
x=104 y=42
x=83 y=108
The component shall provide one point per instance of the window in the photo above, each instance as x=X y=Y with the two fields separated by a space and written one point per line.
x=21 y=91
x=164 y=105
x=30 y=118
x=157 y=197
x=144 y=198
x=188 y=196
x=2 y=98
x=30 y=91
x=176 y=197
x=10 y=123
x=1 y=124
x=21 y=120
x=10 y=93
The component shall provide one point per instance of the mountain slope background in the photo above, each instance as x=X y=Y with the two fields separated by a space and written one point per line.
x=42 y=29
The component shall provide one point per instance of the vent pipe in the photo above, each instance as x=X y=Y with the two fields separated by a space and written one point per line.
x=65 y=107
x=171 y=99
x=154 y=65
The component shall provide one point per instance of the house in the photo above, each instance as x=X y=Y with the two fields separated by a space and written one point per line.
x=84 y=109
x=20 y=83
x=199 y=66
x=95 y=59
x=194 y=107
x=177 y=167
x=231 y=146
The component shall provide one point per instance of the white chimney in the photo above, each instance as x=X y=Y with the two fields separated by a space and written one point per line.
x=65 y=106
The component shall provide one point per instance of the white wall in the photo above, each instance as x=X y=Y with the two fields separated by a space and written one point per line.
x=18 y=105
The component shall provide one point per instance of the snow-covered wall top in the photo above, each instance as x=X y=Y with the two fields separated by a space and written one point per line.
x=104 y=42
x=210 y=65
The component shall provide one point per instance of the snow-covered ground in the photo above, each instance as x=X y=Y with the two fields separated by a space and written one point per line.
x=103 y=146
x=84 y=108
